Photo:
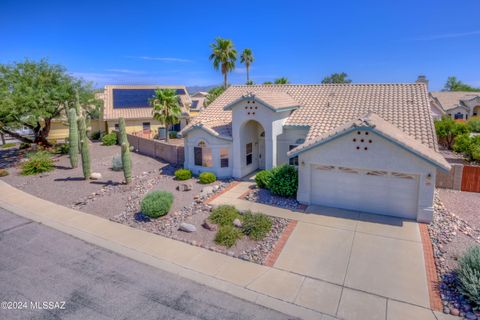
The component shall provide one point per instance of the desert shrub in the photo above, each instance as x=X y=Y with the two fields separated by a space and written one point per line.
x=37 y=163
x=96 y=135
x=7 y=145
x=207 y=177
x=62 y=148
x=3 y=172
x=117 y=164
x=256 y=225
x=109 y=139
x=24 y=145
x=183 y=174
x=284 y=181
x=263 y=179
x=469 y=274
x=224 y=215
x=227 y=236
x=156 y=204
x=468 y=145
x=172 y=134
x=474 y=124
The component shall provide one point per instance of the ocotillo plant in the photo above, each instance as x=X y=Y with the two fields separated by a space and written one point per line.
x=126 y=160
x=82 y=128
x=73 y=137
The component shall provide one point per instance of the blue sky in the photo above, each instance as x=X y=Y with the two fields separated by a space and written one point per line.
x=167 y=42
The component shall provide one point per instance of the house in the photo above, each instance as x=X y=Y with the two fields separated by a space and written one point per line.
x=132 y=102
x=457 y=104
x=198 y=102
x=367 y=147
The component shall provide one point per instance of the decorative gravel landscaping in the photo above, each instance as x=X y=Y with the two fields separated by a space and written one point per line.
x=266 y=197
x=451 y=237
x=110 y=198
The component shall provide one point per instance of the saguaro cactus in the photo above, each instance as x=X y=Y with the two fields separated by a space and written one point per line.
x=82 y=128
x=78 y=110
x=73 y=138
x=126 y=159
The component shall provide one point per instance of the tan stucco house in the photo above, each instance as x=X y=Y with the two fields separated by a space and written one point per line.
x=132 y=103
x=458 y=105
x=367 y=147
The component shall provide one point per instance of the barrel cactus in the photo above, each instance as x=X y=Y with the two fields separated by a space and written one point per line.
x=126 y=159
x=82 y=128
x=73 y=137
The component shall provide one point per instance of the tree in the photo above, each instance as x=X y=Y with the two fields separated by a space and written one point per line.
x=268 y=82
x=448 y=129
x=282 y=80
x=224 y=57
x=247 y=58
x=453 y=84
x=33 y=93
x=337 y=78
x=166 y=108
x=213 y=94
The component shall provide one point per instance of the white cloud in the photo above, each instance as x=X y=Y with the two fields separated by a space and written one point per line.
x=447 y=36
x=127 y=71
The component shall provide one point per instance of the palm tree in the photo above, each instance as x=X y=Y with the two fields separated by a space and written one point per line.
x=224 y=56
x=282 y=80
x=247 y=58
x=166 y=108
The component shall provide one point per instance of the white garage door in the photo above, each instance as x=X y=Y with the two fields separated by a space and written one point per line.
x=387 y=193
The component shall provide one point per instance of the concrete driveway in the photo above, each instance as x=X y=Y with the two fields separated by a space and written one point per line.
x=361 y=257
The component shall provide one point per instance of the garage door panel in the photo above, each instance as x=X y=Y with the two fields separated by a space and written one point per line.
x=382 y=194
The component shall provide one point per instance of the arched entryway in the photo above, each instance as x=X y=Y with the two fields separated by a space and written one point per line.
x=476 y=111
x=252 y=147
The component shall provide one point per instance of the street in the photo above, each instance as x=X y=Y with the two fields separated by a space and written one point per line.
x=51 y=275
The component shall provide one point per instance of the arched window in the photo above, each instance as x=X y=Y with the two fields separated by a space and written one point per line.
x=203 y=155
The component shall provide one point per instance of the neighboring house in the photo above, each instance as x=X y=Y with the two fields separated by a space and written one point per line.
x=436 y=109
x=367 y=147
x=457 y=104
x=132 y=103
x=198 y=102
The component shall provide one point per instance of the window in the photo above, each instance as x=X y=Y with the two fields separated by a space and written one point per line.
x=293 y=161
x=249 y=153
x=146 y=126
x=223 y=158
x=458 y=115
x=116 y=126
x=202 y=155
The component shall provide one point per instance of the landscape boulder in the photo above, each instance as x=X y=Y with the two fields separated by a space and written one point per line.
x=96 y=176
x=209 y=226
x=237 y=223
x=187 y=227
x=184 y=187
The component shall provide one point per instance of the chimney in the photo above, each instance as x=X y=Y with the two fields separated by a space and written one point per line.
x=422 y=79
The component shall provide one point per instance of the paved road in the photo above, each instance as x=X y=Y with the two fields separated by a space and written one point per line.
x=40 y=264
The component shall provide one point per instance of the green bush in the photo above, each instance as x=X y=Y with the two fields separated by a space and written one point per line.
x=474 y=124
x=63 y=148
x=37 y=163
x=156 y=204
x=3 y=173
x=469 y=274
x=7 y=145
x=284 y=181
x=96 y=135
x=117 y=164
x=172 y=134
x=263 y=179
x=227 y=236
x=24 y=145
x=207 y=177
x=256 y=225
x=183 y=174
x=468 y=145
x=109 y=139
x=224 y=215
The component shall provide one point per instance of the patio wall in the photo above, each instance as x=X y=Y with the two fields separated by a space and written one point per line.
x=170 y=153
x=450 y=180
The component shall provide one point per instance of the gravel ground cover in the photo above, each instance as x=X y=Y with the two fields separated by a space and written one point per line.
x=264 y=196
x=451 y=235
x=111 y=199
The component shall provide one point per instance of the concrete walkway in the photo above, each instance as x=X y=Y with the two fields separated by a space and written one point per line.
x=283 y=290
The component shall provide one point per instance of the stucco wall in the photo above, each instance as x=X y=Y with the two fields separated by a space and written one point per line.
x=381 y=155
x=290 y=136
x=132 y=126
x=192 y=140
x=170 y=153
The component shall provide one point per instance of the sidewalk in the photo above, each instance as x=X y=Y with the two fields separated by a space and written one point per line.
x=290 y=293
